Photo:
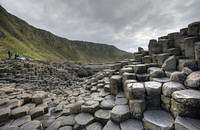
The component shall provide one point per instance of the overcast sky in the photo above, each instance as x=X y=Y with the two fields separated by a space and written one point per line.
x=127 y=24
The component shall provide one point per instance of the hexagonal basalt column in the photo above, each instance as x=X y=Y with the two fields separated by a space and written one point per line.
x=120 y=113
x=115 y=84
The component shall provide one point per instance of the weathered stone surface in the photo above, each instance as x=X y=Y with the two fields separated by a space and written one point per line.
x=19 y=112
x=142 y=77
x=94 y=126
x=137 y=108
x=170 y=63
x=170 y=87
x=189 y=46
x=90 y=106
x=102 y=115
x=161 y=58
x=186 y=103
x=157 y=120
x=55 y=125
x=38 y=97
x=187 y=97
x=111 y=126
x=194 y=29
x=128 y=76
x=120 y=113
x=115 y=84
x=84 y=119
x=131 y=124
x=66 y=128
x=4 y=101
x=161 y=80
x=67 y=120
x=153 y=47
x=22 y=120
x=37 y=111
x=32 y=125
x=186 y=123
x=187 y=70
x=178 y=77
x=4 y=114
x=165 y=44
x=138 y=91
x=128 y=70
x=190 y=63
x=197 y=53
x=107 y=104
x=156 y=72
x=121 y=101
x=153 y=88
x=193 y=80
x=140 y=68
x=147 y=59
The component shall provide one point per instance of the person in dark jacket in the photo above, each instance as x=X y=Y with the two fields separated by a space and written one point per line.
x=9 y=54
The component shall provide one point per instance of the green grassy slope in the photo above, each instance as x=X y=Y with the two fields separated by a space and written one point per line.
x=18 y=36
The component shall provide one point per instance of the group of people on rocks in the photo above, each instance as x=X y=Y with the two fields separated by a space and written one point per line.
x=17 y=57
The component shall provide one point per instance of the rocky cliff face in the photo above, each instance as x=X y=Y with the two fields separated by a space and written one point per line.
x=157 y=89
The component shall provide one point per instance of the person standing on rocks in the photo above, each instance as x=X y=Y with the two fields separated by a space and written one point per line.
x=9 y=54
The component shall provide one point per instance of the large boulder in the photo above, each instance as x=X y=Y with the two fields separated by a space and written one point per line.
x=193 y=80
x=170 y=63
x=194 y=28
x=178 y=77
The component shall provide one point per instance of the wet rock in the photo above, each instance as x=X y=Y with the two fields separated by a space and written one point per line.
x=84 y=119
x=120 y=113
x=111 y=126
x=94 y=126
x=32 y=125
x=187 y=123
x=178 y=77
x=131 y=124
x=157 y=120
x=193 y=80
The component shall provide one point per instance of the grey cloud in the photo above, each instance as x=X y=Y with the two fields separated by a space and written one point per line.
x=126 y=24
